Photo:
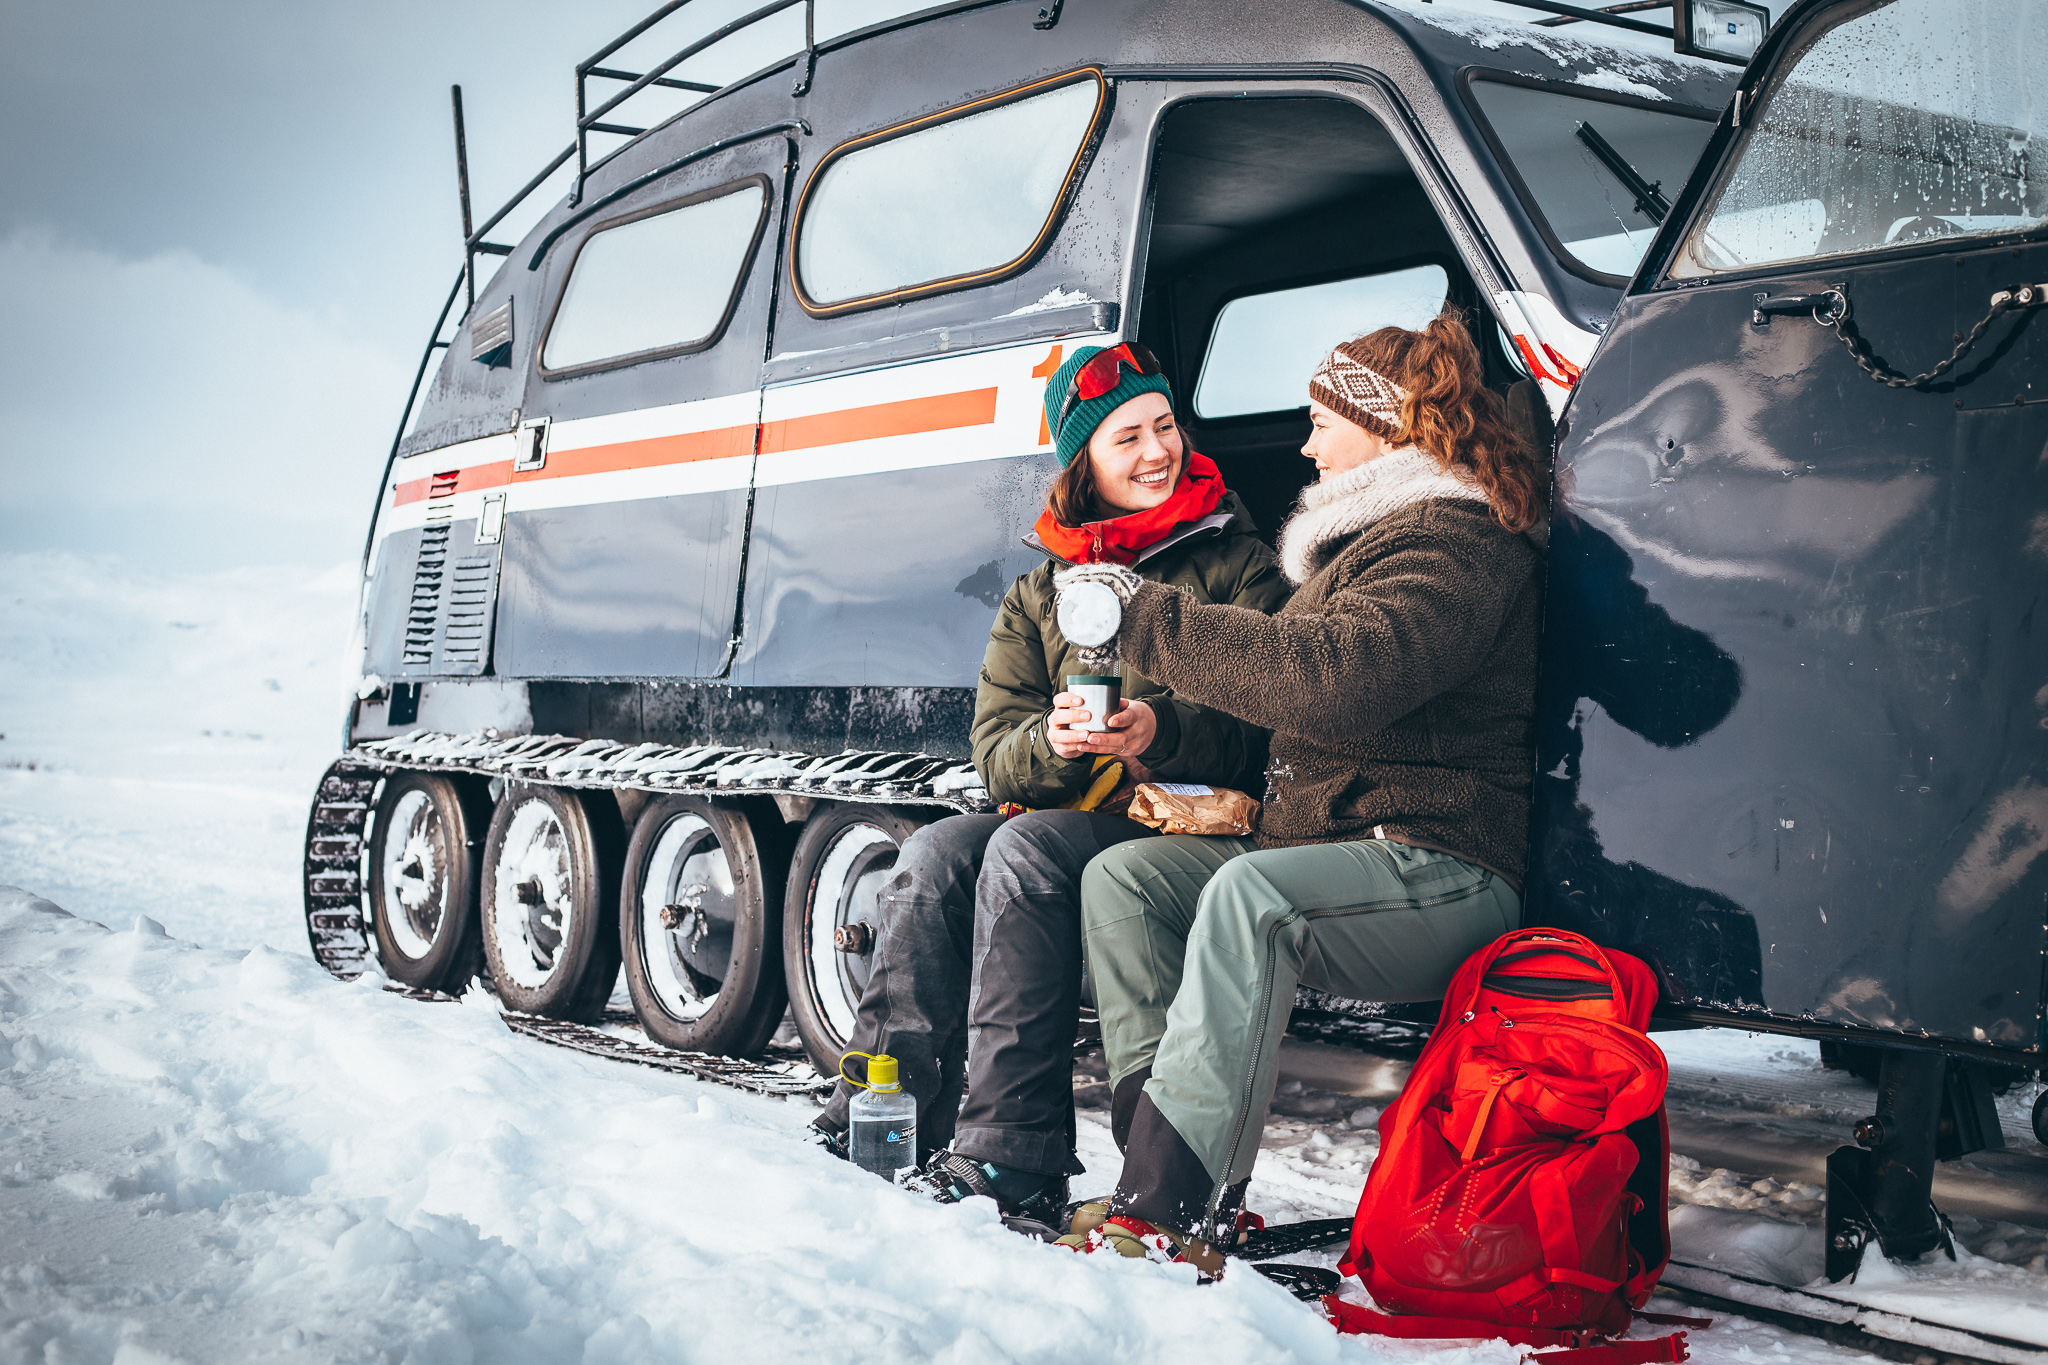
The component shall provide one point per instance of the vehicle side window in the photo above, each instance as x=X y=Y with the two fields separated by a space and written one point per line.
x=1549 y=139
x=962 y=197
x=658 y=283
x=1264 y=346
x=1917 y=120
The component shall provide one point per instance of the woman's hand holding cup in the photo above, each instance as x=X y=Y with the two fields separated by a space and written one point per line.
x=1131 y=729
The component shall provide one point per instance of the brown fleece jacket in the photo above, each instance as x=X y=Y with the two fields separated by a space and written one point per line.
x=1399 y=681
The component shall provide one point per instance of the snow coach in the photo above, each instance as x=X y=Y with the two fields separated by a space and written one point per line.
x=683 y=563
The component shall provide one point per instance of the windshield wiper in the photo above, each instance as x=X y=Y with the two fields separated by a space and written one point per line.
x=1650 y=201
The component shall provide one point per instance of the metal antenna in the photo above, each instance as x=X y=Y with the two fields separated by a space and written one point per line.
x=462 y=184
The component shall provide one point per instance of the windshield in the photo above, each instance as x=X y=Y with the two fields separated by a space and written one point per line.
x=1580 y=157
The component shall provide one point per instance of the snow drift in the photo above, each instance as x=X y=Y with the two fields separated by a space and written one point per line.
x=232 y=1156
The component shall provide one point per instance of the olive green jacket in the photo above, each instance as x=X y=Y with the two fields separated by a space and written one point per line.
x=1217 y=559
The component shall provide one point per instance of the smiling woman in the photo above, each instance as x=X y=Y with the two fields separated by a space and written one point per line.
x=1130 y=493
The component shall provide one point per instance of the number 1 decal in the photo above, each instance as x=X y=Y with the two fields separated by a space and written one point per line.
x=1045 y=370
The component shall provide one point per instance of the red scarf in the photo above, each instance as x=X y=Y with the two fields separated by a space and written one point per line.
x=1123 y=539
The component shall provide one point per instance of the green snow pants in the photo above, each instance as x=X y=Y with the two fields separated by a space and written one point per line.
x=1195 y=945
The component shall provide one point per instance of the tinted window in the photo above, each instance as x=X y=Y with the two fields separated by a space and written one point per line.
x=658 y=284
x=1264 y=346
x=1918 y=120
x=952 y=202
x=1587 y=208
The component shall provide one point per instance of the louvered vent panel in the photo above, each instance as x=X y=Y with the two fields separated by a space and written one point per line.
x=468 y=611
x=423 y=615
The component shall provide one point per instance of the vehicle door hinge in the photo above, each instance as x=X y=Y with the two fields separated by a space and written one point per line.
x=1048 y=14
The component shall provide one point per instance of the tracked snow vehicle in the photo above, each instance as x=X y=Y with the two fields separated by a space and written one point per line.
x=682 y=567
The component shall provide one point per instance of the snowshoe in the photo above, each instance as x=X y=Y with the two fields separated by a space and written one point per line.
x=1030 y=1203
x=1084 y=1216
x=1139 y=1240
x=1262 y=1243
x=831 y=1143
x=1309 y=1283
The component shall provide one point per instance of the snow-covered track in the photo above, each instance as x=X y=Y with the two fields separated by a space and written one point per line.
x=784 y=1072
x=704 y=769
x=1812 y=1311
x=334 y=870
x=787 y=1076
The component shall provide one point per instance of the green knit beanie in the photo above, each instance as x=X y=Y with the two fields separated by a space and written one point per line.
x=1086 y=415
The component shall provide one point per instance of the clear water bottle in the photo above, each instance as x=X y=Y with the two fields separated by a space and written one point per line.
x=882 y=1120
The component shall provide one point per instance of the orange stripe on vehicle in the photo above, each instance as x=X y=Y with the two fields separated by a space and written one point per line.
x=912 y=416
x=685 y=448
x=453 y=481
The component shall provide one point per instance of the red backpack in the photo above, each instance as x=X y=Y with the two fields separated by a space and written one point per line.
x=1520 y=1188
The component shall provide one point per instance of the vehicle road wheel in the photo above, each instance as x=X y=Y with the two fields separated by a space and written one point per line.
x=550 y=896
x=830 y=919
x=426 y=854
x=699 y=925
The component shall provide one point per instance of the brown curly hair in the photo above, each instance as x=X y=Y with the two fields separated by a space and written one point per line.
x=1450 y=413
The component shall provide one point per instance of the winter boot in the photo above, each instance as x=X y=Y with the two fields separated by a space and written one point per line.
x=1083 y=1219
x=1030 y=1203
x=1139 y=1240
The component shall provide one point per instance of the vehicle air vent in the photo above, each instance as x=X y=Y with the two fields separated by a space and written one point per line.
x=421 y=617
x=468 y=617
x=490 y=337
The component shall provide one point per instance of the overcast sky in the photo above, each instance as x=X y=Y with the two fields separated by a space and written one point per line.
x=225 y=230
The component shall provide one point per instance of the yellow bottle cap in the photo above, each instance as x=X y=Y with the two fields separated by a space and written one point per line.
x=881 y=1071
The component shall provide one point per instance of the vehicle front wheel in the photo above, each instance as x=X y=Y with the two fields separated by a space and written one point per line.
x=550 y=897
x=700 y=925
x=426 y=852
x=831 y=917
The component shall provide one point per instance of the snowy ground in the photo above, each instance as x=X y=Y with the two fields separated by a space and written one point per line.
x=212 y=1151
x=160 y=736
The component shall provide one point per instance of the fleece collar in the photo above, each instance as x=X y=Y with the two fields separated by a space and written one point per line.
x=1332 y=511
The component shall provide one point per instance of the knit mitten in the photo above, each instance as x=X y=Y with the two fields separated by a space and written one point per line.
x=1088 y=603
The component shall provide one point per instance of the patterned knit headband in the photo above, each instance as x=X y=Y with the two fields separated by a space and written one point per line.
x=1356 y=391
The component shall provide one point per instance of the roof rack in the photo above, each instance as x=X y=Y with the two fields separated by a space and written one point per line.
x=475 y=240
x=1613 y=16
x=591 y=121
x=1628 y=7
x=476 y=237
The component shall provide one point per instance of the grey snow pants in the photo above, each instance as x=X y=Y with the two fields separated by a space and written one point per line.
x=1196 y=944
x=976 y=980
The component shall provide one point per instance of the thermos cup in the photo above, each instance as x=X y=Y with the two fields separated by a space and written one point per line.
x=1100 y=697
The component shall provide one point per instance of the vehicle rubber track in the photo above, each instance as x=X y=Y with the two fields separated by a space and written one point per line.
x=334 y=868
x=1812 y=1311
x=784 y=1076
x=702 y=769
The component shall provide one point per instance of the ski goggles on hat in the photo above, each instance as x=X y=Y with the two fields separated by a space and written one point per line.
x=1101 y=374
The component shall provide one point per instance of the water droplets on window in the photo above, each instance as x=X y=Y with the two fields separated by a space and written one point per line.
x=1913 y=122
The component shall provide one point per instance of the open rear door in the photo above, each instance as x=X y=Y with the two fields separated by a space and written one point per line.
x=1793 y=726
